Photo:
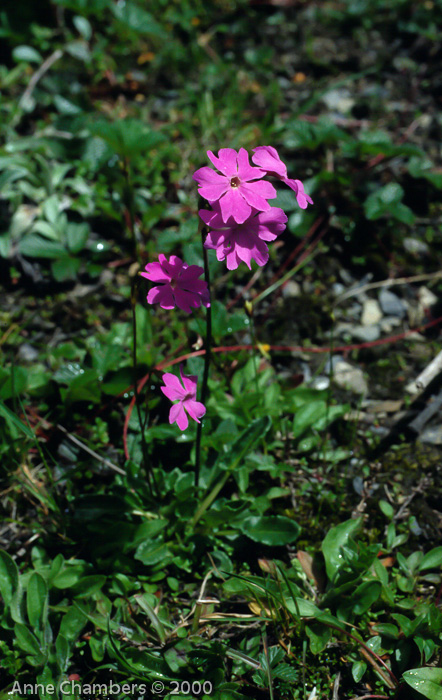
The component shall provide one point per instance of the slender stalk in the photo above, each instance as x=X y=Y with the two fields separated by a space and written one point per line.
x=130 y=203
x=206 y=363
x=249 y=312
x=145 y=451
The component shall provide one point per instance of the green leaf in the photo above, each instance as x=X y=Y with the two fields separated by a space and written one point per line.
x=129 y=138
x=72 y=623
x=307 y=416
x=334 y=540
x=13 y=381
x=83 y=26
x=47 y=230
x=137 y=19
x=276 y=530
x=84 y=387
x=386 y=508
x=319 y=636
x=8 y=577
x=156 y=622
x=37 y=600
x=365 y=595
x=427 y=681
x=11 y=418
x=387 y=202
x=66 y=268
x=62 y=652
x=89 y=585
x=27 y=54
x=357 y=670
x=77 y=236
x=150 y=553
x=431 y=560
x=35 y=246
x=68 y=577
x=386 y=629
x=26 y=640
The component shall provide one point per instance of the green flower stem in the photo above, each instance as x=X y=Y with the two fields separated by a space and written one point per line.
x=130 y=203
x=206 y=363
x=142 y=424
x=249 y=312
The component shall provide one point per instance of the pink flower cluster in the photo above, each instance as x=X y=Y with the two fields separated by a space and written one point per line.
x=185 y=394
x=241 y=220
x=180 y=285
x=241 y=223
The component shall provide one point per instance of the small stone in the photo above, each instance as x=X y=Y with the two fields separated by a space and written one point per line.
x=338 y=288
x=348 y=377
x=320 y=383
x=339 y=99
x=391 y=305
x=415 y=246
x=426 y=297
x=366 y=334
x=388 y=323
x=27 y=353
x=371 y=312
x=291 y=289
x=432 y=436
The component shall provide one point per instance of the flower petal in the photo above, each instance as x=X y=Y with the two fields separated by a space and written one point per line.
x=207 y=176
x=234 y=205
x=232 y=260
x=155 y=273
x=267 y=157
x=190 y=273
x=177 y=415
x=195 y=286
x=172 y=383
x=226 y=161
x=187 y=301
x=214 y=192
x=269 y=224
x=162 y=296
x=302 y=198
x=215 y=239
x=246 y=171
x=195 y=409
x=253 y=197
x=174 y=266
x=212 y=218
x=189 y=381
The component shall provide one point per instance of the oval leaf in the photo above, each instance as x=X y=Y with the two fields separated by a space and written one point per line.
x=274 y=530
x=37 y=600
x=336 y=538
x=427 y=681
x=432 y=560
x=8 y=576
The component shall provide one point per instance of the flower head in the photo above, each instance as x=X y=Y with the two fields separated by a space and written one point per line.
x=180 y=285
x=238 y=186
x=244 y=242
x=267 y=158
x=185 y=394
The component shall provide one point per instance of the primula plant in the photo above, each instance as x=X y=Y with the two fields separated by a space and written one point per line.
x=240 y=224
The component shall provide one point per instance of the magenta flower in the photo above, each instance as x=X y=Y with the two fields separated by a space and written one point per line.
x=180 y=285
x=237 y=188
x=244 y=242
x=185 y=395
x=267 y=158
